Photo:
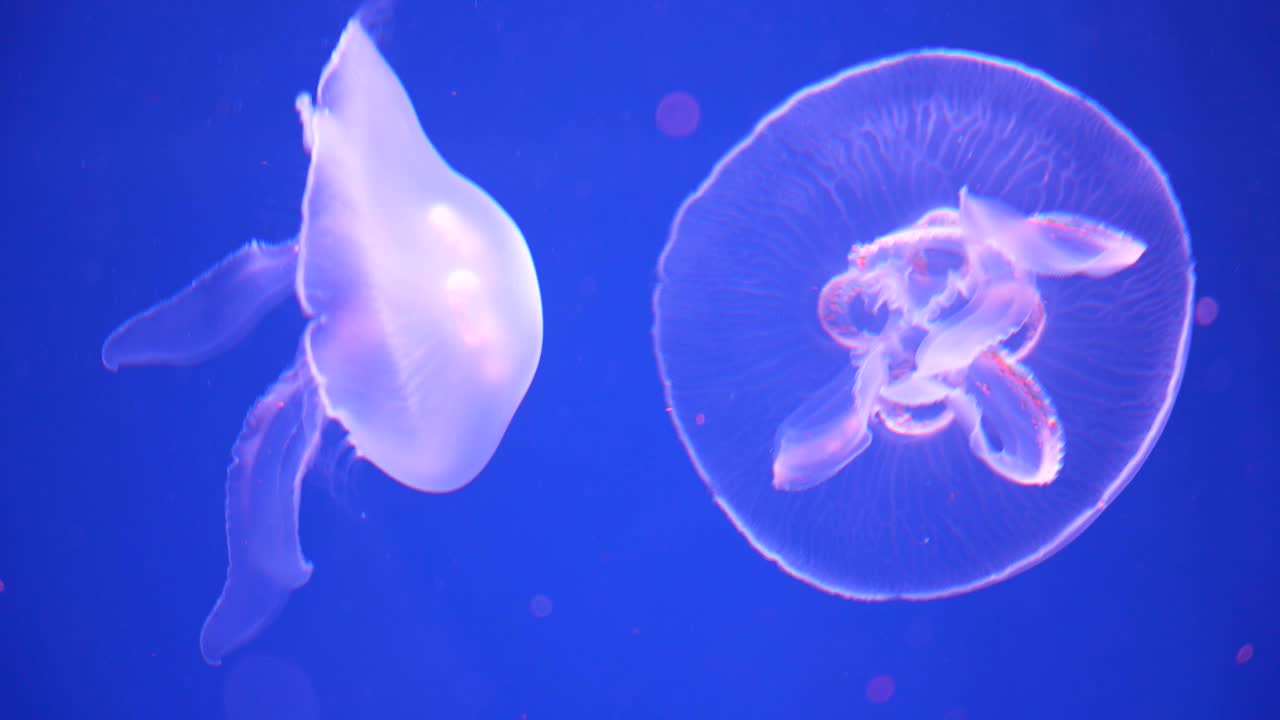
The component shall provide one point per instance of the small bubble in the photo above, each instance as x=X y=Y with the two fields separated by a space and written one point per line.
x=700 y=419
x=1244 y=654
x=678 y=114
x=880 y=689
x=1206 y=311
x=539 y=606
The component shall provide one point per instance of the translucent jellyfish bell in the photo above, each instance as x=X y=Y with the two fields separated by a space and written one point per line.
x=424 y=334
x=924 y=324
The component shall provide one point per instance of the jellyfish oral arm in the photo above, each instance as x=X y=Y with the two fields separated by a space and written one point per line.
x=962 y=368
x=265 y=563
x=991 y=316
x=822 y=436
x=1012 y=426
x=1051 y=244
x=275 y=447
x=210 y=316
x=1076 y=245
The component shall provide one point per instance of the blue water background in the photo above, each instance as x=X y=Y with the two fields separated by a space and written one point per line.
x=145 y=140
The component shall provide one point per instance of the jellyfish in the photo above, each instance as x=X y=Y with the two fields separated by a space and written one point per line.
x=924 y=323
x=424 y=328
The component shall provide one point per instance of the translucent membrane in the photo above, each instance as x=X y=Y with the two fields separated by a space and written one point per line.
x=425 y=328
x=924 y=323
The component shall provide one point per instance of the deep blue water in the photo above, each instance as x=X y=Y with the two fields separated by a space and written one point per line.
x=145 y=140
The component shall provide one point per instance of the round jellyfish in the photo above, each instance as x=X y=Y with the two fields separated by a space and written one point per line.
x=922 y=325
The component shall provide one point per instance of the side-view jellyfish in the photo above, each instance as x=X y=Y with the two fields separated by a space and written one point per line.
x=424 y=332
x=923 y=325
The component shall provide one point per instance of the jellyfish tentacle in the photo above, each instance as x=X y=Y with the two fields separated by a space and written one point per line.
x=1055 y=244
x=994 y=314
x=265 y=563
x=1011 y=423
x=212 y=314
x=832 y=428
